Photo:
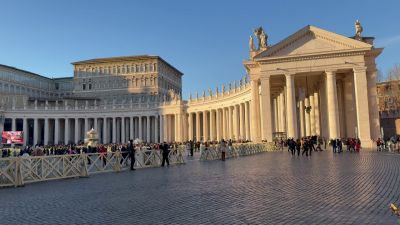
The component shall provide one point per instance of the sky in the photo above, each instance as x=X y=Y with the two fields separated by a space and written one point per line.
x=206 y=40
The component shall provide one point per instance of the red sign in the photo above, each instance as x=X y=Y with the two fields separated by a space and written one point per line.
x=12 y=137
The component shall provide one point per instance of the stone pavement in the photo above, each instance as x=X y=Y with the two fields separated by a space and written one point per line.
x=269 y=188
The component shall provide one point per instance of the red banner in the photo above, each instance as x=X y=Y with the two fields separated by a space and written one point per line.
x=12 y=137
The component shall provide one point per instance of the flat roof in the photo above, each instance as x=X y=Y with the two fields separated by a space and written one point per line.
x=25 y=71
x=124 y=58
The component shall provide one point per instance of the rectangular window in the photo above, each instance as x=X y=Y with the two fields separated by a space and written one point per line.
x=90 y=86
x=83 y=86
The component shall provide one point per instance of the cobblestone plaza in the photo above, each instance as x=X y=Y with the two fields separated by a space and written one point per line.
x=269 y=188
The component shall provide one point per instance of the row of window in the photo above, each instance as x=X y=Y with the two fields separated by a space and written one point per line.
x=142 y=68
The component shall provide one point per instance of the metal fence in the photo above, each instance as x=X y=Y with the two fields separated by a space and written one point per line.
x=237 y=150
x=17 y=171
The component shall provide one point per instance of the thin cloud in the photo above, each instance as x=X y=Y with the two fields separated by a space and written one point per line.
x=389 y=41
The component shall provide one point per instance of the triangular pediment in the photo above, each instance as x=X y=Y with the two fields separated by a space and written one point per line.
x=312 y=40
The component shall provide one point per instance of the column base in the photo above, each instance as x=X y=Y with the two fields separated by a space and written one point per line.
x=368 y=144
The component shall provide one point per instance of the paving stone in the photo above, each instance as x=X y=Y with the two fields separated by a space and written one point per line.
x=268 y=188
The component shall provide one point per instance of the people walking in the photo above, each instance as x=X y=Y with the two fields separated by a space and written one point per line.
x=165 y=152
x=131 y=150
x=223 y=149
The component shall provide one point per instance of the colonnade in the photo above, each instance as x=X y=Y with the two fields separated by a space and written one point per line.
x=231 y=122
x=73 y=130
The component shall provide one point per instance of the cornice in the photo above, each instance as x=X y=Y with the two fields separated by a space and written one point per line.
x=294 y=58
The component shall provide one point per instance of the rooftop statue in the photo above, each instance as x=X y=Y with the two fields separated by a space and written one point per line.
x=261 y=37
x=359 y=30
x=209 y=92
x=251 y=44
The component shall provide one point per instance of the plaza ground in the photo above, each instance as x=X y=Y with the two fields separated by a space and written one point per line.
x=268 y=188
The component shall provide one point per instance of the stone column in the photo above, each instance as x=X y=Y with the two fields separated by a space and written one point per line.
x=95 y=127
x=205 y=126
x=223 y=119
x=247 y=120
x=179 y=127
x=362 y=105
x=255 y=112
x=372 y=103
x=234 y=123
x=66 y=131
x=114 y=130
x=162 y=124
x=276 y=121
x=25 y=130
x=56 y=130
x=312 y=114
x=35 y=131
x=140 y=128
x=218 y=125
x=342 y=117
x=148 y=121
x=241 y=121
x=333 y=112
x=266 y=109
x=156 y=129
x=105 y=131
x=302 y=122
x=76 y=131
x=165 y=127
x=291 y=107
x=230 y=122
x=283 y=112
x=191 y=126
x=13 y=124
x=131 y=128
x=212 y=125
x=86 y=126
x=46 y=131
x=316 y=112
x=198 y=134
x=307 y=117
x=279 y=112
x=123 y=135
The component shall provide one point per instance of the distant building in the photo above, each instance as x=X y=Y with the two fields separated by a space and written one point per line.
x=389 y=107
x=314 y=82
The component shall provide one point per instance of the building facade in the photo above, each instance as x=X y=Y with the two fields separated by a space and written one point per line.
x=389 y=107
x=313 y=82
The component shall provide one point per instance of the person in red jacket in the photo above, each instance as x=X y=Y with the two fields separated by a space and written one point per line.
x=103 y=154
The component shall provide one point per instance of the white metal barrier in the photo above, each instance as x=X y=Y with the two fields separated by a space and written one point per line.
x=17 y=171
x=214 y=152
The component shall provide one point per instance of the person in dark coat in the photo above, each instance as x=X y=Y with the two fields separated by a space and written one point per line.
x=164 y=151
x=131 y=150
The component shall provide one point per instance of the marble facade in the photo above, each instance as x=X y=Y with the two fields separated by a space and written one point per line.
x=313 y=82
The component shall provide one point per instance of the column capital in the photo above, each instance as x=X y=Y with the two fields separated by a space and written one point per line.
x=360 y=69
x=330 y=72
x=289 y=75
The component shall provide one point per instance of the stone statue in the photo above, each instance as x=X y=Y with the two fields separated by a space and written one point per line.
x=209 y=92
x=263 y=40
x=216 y=90
x=359 y=30
x=204 y=94
x=197 y=95
x=251 y=44
x=230 y=86
x=223 y=88
x=190 y=96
